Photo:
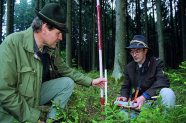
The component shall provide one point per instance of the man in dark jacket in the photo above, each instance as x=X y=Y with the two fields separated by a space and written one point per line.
x=33 y=72
x=145 y=76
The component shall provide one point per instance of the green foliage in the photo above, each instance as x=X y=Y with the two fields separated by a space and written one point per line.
x=183 y=65
x=24 y=14
x=157 y=113
x=84 y=104
x=78 y=108
x=177 y=78
x=63 y=54
x=179 y=75
x=112 y=114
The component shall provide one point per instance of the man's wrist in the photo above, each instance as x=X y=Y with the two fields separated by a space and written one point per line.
x=147 y=97
x=144 y=99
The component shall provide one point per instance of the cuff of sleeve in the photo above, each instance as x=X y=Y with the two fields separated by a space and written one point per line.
x=35 y=114
x=88 y=81
x=146 y=96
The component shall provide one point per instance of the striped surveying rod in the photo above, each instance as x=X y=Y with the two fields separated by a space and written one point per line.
x=100 y=52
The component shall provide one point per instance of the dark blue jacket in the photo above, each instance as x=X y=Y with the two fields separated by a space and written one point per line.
x=152 y=80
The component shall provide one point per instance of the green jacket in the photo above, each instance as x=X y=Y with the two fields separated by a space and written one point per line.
x=21 y=77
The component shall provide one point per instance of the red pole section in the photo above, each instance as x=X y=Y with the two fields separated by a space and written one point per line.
x=100 y=49
x=99 y=25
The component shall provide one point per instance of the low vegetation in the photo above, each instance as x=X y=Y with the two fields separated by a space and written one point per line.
x=84 y=104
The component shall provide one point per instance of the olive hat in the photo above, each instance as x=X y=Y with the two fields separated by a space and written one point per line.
x=54 y=15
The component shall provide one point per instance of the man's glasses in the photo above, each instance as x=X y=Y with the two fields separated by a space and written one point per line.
x=137 y=51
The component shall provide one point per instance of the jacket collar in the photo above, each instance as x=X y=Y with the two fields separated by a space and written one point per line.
x=51 y=52
x=28 y=40
x=28 y=43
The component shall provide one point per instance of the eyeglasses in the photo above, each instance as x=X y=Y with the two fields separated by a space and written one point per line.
x=137 y=52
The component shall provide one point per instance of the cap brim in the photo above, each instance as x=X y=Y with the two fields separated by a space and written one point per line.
x=135 y=46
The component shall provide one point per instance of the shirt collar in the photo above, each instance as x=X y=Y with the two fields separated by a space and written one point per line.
x=36 y=49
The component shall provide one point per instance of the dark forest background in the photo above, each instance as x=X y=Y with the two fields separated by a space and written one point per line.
x=163 y=23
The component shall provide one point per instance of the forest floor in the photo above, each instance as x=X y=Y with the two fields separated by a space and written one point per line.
x=84 y=104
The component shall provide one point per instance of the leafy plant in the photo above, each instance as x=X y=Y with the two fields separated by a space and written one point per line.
x=84 y=104
x=177 y=78
x=177 y=75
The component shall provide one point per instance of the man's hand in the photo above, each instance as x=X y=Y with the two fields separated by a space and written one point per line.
x=100 y=82
x=140 y=100
x=124 y=99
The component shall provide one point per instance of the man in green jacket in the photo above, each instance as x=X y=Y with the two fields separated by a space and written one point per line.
x=33 y=73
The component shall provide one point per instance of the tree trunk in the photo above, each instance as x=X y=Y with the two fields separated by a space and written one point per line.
x=153 y=35
x=60 y=42
x=183 y=20
x=10 y=17
x=138 y=23
x=132 y=16
x=120 y=44
x=37 y=4
x=176 y=34
x=1 y=19
x=104 y=35
x=160 y=30
x=112 y=20
x=172 y=36
x=42 y=4
x=60 y=2
x=153 y=15
x=93 y=37
x=146 y=21
x=127 y=29
x=111 y=54
x=69 y=34
x=80 y=34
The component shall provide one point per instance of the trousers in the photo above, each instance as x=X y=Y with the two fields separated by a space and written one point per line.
x=168 y=97
x=59 y=90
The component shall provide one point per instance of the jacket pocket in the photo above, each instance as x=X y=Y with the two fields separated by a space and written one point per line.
x=2 y=110
x=26 y=86
x=5 y=117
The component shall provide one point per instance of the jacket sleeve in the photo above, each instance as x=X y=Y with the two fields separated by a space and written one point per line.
x=11 y=100
x=125 y=88
x=66 y=71
x=161 y=80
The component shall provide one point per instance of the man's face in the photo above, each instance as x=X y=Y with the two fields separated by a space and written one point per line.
x=52 y=37
x=139 y=55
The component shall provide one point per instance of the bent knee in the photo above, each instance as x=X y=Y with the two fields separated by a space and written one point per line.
x=167 y=93
x=168 y=97
x=64 y=82
x=70 y=81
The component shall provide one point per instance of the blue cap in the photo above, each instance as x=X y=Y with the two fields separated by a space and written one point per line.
x=138 y=41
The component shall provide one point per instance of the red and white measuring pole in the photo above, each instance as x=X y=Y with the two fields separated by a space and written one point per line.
x=100 y=49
